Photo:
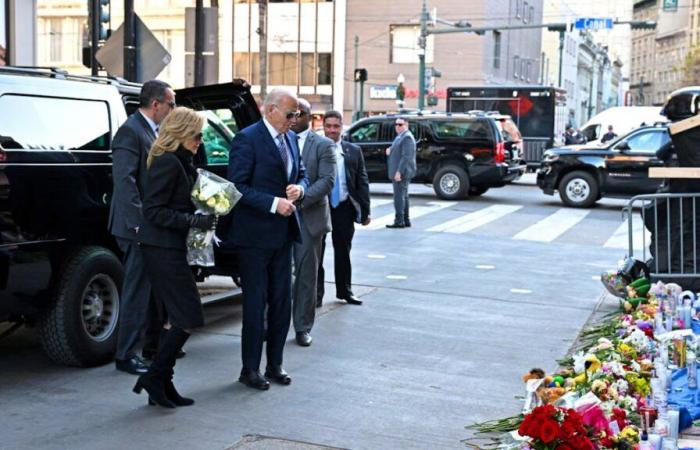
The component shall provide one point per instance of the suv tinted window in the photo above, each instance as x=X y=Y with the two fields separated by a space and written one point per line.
x=475 y=129
x=50 y=123
x=366 y=133
x=413 y=127
x=647 y=141
x=509 y=130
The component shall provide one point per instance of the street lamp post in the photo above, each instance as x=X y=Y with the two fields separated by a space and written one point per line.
x=422 y=44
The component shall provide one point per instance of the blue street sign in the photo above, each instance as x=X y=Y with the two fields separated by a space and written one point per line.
x=593 y=23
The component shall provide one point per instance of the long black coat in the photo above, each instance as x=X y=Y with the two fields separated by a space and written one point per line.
x=167 y=206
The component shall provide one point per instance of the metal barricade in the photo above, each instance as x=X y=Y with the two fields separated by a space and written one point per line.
x=664 y=227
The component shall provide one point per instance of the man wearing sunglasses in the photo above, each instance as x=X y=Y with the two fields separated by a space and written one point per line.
x=130 y=148
x=401 y=159
x=266 y=167
x=318 y=155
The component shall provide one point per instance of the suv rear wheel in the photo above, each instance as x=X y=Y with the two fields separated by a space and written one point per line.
x=578 y=189
x=451 y=182
x=79 y=328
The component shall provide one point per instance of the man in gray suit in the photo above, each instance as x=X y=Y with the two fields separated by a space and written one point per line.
x=401 y=158
x=319 y=158
x=129 y=151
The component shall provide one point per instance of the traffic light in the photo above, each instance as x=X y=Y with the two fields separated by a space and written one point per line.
x=360 y=75
x=103 y=15
x=643 y=24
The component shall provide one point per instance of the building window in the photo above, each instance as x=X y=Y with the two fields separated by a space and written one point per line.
x=529 y=71
x=525 y=9
x=517 y=8
x=241 y=66
x=324 y=68
x=404 y=44
x=282 y=69
x=523 y=69
x=496 y=49
x=531 y=14
x=516 y=66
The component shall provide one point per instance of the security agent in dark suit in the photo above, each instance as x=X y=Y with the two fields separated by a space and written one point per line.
x=318 y=155
x=266 y=168
x=401 y=167
x=349 y=201
x=129 y=152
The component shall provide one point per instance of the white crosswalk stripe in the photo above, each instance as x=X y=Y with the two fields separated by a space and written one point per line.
x=553 y=226
x=620 y=239
x=475 y=219
x=416 y=212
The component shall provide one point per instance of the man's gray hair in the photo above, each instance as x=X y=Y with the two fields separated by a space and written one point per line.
x=276 y=95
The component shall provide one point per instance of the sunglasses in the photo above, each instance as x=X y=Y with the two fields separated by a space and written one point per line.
x=399 y=124
x=290 y=115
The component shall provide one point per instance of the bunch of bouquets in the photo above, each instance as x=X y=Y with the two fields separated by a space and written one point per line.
x=211 y=194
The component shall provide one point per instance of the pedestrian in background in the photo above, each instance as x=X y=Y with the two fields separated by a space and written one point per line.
x=349 y=201
x=266 y=168
x=609 y=136
x=401 y=164
x=129 y=152
x=318 y=155
x=169 y=214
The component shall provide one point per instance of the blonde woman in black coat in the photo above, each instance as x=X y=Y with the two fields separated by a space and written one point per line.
x=169 y=214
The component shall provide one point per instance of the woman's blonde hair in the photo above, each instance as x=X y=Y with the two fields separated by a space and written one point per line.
x=182 y=123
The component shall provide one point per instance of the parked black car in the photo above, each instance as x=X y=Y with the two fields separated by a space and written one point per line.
x=583 y=174
x=59 y=266
x=460 y=154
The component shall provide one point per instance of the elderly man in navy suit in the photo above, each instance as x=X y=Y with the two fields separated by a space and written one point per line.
x=266 y=167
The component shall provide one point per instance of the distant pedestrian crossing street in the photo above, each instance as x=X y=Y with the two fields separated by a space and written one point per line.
x=519 y=222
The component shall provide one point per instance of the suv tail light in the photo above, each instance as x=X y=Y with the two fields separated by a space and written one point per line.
x=500 y=152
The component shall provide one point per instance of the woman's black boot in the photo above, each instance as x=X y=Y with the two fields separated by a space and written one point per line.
x=173 y=340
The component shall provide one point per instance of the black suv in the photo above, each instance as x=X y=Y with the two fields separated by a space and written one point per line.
x=584 y=173
x=460 y=154
x=59 y=266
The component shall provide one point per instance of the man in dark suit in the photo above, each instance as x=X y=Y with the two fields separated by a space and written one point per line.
x=349 y=201
x=319 y=159
x=266 y=168
x=129 y=152
x=401 y=167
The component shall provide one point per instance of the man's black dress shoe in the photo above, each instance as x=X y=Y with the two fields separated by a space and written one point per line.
x=304 y=338
x=407 y=224
x=253 y=379
x=277 y=374
x=396 y=225
x=351 y=299
x=148 y=354
x=133 y=365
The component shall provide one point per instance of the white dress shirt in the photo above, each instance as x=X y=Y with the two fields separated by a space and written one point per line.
x=274 y=133
x=151 y=123
x=302 y=139
x=341 y=175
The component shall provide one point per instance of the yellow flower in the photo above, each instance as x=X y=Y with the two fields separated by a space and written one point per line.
x=592 y=364
x=629 y=434
x=211 y=202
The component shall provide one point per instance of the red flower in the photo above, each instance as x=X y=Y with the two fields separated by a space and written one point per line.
x=580 y=442
x=620 y=416
x=564 y=446
x=549 y=431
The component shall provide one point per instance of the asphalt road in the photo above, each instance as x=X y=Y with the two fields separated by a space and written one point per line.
x=456 y=309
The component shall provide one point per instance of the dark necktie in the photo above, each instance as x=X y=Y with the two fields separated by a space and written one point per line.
x=282 y=147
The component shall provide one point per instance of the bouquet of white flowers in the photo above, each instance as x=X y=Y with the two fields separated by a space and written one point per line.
x=211 y=194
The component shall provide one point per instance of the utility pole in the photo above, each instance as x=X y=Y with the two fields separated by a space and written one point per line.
x=562 y=35
x=130 y=42
x=199 y=43
x=422 y=44
x=94 y=6
x=262 y=38
x=355 y=114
